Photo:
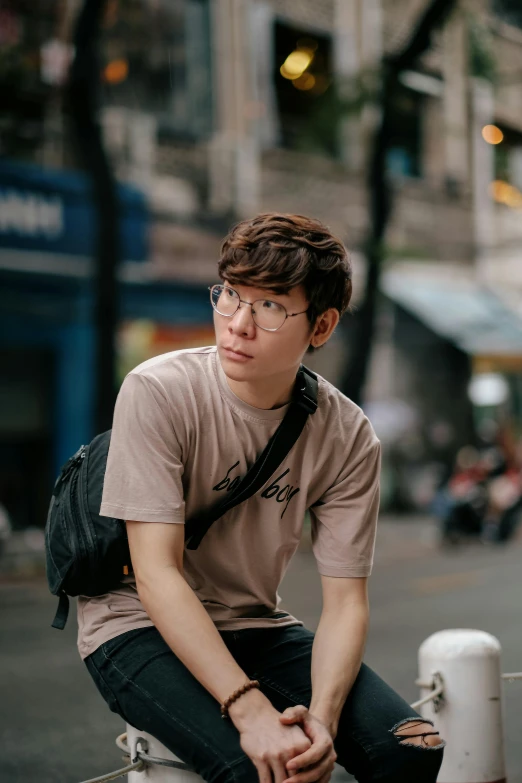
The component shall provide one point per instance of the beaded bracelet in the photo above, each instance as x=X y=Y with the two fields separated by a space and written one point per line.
x=235 y=696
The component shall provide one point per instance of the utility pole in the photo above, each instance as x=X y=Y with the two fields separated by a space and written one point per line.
x=83 y=104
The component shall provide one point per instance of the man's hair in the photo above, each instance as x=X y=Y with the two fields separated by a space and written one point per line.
x=277 y=252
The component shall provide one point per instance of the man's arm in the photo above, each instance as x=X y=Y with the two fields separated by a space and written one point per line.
x=338 y=646
x=336 y=659
x=157 y=559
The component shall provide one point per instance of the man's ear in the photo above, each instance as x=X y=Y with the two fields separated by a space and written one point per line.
x=324 y=327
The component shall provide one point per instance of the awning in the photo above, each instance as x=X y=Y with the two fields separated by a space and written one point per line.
x=456 y=307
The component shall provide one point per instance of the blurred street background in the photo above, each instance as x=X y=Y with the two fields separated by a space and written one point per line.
x=55 y=727
x=133 y=134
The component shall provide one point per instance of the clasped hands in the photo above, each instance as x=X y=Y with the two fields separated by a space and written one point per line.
x=289 y=747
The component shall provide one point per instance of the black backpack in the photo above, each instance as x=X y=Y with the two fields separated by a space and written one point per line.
x=88 y=554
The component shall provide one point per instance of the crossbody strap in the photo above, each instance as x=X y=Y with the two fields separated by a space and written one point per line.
x=304 y=403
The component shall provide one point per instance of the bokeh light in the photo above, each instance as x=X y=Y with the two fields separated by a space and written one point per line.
x=504 y=193
x=304 y=82
x=492 y=134
x=296 y=63
x=116 y=71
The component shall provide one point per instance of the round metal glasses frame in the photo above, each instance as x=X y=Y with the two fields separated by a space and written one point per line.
x=240 y=301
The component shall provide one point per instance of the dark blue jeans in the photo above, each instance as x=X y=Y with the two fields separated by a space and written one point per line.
x=143 y=681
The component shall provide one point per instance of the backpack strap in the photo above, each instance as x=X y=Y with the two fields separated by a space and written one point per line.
x=62 y=613
x=304 y=403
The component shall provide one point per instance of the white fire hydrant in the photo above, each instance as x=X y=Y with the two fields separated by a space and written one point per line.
x=156 y=773
x=469 y=716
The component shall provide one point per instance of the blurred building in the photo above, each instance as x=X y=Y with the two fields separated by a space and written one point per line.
x=214 y=110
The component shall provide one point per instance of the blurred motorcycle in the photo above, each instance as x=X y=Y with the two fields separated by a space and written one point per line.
x=482 y=499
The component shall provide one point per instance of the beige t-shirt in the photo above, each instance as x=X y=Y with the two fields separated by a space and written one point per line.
x=181 y=439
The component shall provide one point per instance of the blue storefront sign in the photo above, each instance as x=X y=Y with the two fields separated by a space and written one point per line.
x=48 y=216
x=50 y=210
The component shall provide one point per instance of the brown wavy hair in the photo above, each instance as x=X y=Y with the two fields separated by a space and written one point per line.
x=277 y=252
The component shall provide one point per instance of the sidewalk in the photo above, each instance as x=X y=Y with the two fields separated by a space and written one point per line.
x=405 y=537
x=23 y=555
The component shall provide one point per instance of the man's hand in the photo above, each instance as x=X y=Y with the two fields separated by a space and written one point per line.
x=264 y=737
x=316 y=764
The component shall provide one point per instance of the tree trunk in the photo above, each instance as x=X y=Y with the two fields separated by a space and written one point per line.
x=362 y=327
x=83 y=105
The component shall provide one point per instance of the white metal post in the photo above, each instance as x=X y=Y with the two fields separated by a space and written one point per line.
x=156 y=773
x=469 y=717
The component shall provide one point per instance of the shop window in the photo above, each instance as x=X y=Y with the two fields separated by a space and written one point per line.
x=509 y=11
x=25 y=27
x=405 y=141
x=305 y=92
x=507 y=186
x=508 y=157
x=156 y=60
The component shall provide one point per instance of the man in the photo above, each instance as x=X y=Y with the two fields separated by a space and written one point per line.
x=192 y=635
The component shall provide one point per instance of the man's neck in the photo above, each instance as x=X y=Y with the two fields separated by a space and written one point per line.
x=272 y=393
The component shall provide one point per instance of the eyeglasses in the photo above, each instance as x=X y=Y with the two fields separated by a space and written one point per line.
x=266 y=314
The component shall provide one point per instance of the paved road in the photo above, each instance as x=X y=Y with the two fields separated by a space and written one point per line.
x=54 y=728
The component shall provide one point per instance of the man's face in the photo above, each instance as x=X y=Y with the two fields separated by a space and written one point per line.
x=249 y=353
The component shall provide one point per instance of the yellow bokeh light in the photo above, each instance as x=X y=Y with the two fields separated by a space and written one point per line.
x=504 y=193
x=296 y=63
x=492 y=134
x=514 y=199
x=116 y=71
x=304 y=82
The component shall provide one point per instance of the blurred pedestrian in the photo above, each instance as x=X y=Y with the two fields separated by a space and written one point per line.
x=483 y=497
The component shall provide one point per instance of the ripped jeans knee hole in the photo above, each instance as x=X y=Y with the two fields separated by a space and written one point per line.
x=418 y=733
